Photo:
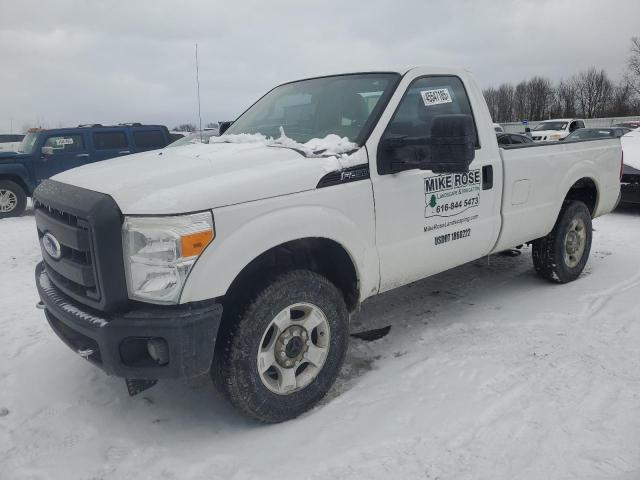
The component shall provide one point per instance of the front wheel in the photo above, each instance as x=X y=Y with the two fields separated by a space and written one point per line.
x=280 y=350
x=562 y=255
x=13 y=200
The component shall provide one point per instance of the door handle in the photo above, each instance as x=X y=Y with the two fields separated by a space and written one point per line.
x=124 y=152
x=487 y=177
x=82 y=155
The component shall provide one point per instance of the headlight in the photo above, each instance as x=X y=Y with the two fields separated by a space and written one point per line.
x=555 y=136
x=160 y=251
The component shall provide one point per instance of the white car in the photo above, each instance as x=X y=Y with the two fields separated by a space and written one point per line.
x=244 y=257
x=631 y=169
x=9 y=142
x=498 y=128
x=554 y=130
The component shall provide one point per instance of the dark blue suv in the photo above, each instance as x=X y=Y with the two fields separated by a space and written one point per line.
x=44 y=153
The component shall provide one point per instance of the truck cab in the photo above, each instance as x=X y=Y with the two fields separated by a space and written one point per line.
x=44 y=153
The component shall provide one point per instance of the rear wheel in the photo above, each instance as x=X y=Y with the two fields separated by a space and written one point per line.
x=13 y=199
x=562 y=255
x=280 y=350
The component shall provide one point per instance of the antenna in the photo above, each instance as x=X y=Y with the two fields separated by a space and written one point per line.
x=198 y=84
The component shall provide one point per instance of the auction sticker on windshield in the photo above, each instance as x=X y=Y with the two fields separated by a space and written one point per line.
x=436 y=96
x=451 y=194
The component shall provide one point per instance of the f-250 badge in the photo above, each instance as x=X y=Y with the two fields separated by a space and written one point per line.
x=451 y=194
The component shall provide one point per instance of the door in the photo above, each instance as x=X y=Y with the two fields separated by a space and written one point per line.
x=60 y=152
x=109 y=143
x=427 y=222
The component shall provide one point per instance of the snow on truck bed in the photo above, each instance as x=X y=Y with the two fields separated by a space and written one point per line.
x=487 y=373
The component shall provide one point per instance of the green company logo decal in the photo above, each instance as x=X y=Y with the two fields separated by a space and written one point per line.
x=451 y=194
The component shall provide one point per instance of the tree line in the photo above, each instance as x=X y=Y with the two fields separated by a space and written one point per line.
x=588 y=94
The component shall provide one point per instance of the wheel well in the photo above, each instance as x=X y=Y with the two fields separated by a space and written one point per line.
x=584 y=190
x=17 y=179
x=320 y=255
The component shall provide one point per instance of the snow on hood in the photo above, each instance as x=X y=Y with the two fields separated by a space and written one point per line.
x=631 y=148
x=316 y=147
x=232 y=169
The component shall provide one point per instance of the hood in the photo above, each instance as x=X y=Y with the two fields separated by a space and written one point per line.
x=11 y=155
x=546 y=133
x=204 y=176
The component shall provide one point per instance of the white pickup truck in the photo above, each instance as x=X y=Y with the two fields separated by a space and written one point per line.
x=243 y=258
x=555 y=130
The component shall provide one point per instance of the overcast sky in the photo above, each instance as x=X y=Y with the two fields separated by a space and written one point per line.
x=66 y=62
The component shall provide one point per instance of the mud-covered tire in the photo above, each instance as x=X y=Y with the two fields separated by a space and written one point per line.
x=13 y=199
x=235 y=370
x=552 y=258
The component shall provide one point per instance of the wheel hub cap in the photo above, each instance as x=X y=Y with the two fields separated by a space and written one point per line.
x=8 y=200
x=575 y=242
x=293 y=348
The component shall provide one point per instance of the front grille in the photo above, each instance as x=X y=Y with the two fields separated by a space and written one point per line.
x=74 y=271
x=87 y=225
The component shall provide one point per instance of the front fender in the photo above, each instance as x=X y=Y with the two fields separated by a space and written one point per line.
x=228 y=254
x=17 y=170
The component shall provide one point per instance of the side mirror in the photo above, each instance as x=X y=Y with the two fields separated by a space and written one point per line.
x=453 y=143
x=47 y=150
x=224 y=126
x=449 y=148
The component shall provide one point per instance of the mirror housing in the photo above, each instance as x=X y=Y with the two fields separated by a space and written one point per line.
x=453 y=143
x=449 y=148
x=47 y=150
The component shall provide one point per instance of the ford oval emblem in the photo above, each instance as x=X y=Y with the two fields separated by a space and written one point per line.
x=52 y=246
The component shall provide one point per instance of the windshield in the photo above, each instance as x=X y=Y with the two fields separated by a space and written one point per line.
x=550 y=126
x=308 y=109
x=28 y=142
x=195 y=137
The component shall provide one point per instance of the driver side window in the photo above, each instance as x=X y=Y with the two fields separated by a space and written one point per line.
x=65 y=143
x=425 y=99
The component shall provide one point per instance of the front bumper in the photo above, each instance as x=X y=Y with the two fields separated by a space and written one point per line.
x=117 y=343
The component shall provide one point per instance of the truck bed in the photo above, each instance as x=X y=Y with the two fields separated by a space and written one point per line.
x=537 y=177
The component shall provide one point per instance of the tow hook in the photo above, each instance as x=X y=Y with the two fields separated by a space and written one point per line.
x=40 y=305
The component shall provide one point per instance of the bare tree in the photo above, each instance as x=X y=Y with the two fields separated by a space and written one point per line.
x=520 y=104
x=505 y=94
x=491 y=97
x=633 y=65
x=185 y=127
x=593 y=92
x=590 y=93
x=621 y=103
x=539 y=93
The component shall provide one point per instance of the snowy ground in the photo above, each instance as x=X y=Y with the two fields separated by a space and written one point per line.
x=487 y=373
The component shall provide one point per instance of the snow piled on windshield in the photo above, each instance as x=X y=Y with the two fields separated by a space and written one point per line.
x=331 y=145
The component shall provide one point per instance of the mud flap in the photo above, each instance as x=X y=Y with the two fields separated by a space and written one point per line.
x=372 y=335
x=134 y=387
